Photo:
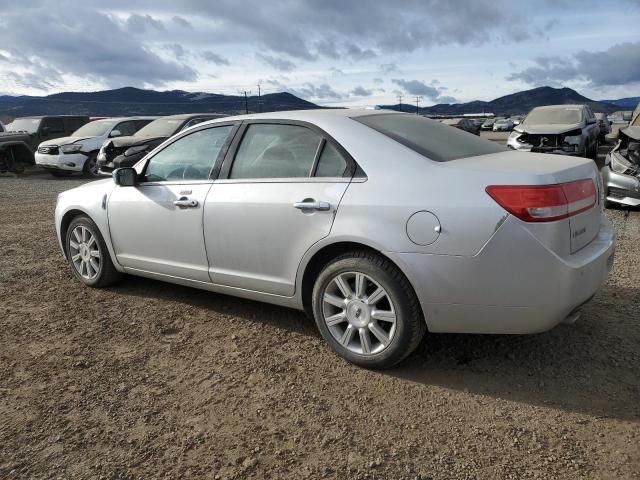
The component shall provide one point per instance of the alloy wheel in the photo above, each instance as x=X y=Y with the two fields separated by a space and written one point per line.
x=359 y=313
x=84 y=252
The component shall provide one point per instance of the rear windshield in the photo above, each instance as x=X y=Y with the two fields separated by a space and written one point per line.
x=553 y=116
x=430 y=138
x=162 y=127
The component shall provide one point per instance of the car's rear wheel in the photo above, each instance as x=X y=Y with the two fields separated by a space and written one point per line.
x=88 y=255
x=90 y=168
x=367 y=311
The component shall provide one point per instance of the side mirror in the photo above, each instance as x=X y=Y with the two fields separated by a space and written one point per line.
x=115 y=133
x=125 y=177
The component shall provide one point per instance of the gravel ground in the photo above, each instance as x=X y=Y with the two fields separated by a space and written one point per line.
x=150 y=380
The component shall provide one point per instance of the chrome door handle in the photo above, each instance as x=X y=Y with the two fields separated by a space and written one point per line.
x=312 y=205
x=186 y=203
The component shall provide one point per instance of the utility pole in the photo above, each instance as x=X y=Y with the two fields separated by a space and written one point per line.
x=400 y=101
x=417 y=104
x=259 y=100
x=246 y=102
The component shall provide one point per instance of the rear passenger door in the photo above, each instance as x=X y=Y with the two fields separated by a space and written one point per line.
x=276 y=196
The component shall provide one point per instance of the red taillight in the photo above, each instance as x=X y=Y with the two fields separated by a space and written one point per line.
x=545 y=203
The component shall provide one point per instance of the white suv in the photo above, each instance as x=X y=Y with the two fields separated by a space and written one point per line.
x=78 y=153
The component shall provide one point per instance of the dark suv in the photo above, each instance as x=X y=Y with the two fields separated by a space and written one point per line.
x=22 y=137
x=127 y=151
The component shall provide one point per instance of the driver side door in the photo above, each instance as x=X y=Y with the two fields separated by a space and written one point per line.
x=156 y=225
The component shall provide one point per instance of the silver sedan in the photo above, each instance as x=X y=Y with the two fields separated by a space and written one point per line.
x=380 y=225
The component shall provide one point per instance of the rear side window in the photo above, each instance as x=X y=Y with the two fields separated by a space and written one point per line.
x=275 y=151
x=434 y=140
x=331 y=163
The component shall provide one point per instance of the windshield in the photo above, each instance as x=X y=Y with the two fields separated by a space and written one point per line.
x=96 y=128
x=430 y=138
x=162 y=127
x=24 y=125
x=502 y=121
x=553 y=116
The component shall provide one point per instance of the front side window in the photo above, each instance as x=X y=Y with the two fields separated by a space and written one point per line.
x=54 y=125
x=188 y=158
x=126 y=128
x=275 y=151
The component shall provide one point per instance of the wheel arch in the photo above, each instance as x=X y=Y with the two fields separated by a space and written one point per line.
x=323 y=255
x=20 y=150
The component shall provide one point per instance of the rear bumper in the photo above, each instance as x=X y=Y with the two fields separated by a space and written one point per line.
x=514 y=285
x=71 y=162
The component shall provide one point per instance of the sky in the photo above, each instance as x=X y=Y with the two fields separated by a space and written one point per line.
x=331 y=52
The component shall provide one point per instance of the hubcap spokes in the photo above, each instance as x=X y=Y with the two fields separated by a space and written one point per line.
x=359 y=313
x=84 y=252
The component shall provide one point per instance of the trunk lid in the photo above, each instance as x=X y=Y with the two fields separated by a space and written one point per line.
x=564 y=236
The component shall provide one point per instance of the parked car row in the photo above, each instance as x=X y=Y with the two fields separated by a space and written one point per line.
x=65 y=144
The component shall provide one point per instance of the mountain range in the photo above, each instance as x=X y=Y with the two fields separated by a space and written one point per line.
x=134 y=101
x=522 y=103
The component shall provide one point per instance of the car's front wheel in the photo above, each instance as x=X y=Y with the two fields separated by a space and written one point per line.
x=367 y=311
x=88 y=255
x=90 y=168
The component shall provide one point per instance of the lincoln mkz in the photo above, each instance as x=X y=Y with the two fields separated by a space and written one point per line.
x=380 y=225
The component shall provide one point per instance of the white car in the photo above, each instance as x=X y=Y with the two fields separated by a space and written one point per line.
x=78 y=153
x=379 y=224
x=503 y=125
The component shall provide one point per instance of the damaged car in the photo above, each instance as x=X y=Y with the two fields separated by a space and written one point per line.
x=621 y=171
x=559 y=129
x=126 y=151
x=78 y=152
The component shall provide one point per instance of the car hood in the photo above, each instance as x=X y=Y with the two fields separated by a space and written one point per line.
x=548 y=129
x=133 y=141
x=632 y=132
x=64 y=140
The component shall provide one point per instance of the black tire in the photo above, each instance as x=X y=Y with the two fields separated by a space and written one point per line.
x=90 y=167
x=106 y=273
x=410 y=326
x=60 y=173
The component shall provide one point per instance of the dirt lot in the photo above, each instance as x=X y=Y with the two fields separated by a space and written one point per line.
x=150 y=380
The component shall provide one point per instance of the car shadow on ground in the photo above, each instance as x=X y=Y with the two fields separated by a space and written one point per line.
x=591 y=367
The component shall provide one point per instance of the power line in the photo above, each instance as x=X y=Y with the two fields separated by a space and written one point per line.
x=246 y=102
x=399 y=101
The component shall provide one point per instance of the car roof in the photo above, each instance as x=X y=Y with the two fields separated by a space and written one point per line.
x=120 y=119
x=311 y=115
x=187 y=116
